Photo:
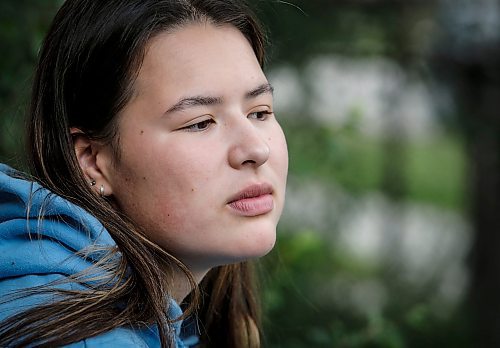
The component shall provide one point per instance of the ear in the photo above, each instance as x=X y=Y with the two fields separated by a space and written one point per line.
x=94 y=161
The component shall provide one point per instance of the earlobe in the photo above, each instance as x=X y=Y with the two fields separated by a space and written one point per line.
x=87 y=151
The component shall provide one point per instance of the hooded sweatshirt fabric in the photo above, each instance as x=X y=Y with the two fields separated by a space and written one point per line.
x=37 y=251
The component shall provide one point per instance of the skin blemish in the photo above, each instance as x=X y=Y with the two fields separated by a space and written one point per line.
x=142 y=132
x=143 y=178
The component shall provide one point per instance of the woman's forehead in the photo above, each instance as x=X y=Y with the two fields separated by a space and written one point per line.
x=199 y=59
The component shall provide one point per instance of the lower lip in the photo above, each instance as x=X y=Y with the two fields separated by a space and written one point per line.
x=253 y=206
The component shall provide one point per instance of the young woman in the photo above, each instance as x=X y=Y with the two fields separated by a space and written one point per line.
x=159 y=170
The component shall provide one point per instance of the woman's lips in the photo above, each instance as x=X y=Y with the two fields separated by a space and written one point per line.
x=253 y=201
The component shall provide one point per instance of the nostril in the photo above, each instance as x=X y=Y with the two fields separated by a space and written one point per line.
x=248 y=150
x=249 y=161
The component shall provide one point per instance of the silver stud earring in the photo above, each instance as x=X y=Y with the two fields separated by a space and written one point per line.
x=92 y=183
x=101 y=191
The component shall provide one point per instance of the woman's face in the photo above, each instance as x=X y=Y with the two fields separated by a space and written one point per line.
x=203 y=160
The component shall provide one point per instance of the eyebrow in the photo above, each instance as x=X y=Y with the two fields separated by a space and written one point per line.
x=265 y=88
x=194 y=101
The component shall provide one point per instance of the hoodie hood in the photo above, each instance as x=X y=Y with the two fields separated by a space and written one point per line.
x=40 y=232
x=41 y=235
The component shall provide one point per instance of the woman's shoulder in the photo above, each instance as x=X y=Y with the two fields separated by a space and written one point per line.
x=120 y=337
x=132 y=338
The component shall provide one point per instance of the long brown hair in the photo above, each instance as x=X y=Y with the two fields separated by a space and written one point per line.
x=85 y=75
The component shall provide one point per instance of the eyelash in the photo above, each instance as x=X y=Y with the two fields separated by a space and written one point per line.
x=195 y=127
x=265 y=114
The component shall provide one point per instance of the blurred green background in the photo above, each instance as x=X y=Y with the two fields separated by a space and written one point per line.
x=389 y=236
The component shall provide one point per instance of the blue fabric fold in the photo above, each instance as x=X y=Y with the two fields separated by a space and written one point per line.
x=37 y=251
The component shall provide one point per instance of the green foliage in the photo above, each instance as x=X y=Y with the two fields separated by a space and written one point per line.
x=300 y=29
x=22 y=26
x=433 y=169
x=435 y=172
x=302 y=308
x=339 y=154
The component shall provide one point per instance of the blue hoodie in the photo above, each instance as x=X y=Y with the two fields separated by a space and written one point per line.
x=32 y=254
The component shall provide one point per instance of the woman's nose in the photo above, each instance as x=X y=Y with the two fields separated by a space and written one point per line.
x=249 y=147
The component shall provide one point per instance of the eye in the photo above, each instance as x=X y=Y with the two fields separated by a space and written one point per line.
x=199 y=126
x=260 y=115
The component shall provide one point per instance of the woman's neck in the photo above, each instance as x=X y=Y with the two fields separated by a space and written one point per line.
x=181 y=286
